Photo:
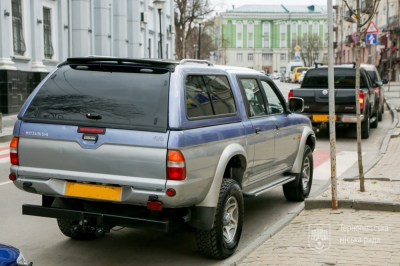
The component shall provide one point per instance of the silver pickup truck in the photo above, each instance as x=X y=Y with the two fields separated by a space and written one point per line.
x=155 y=144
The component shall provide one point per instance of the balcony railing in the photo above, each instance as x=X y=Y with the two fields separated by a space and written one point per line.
x=367 y=6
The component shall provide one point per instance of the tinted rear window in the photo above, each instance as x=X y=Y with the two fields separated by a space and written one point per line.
x=373 y=75
x=344 y=78
x=122 y=97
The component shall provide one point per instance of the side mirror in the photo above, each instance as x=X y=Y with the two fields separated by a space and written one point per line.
x=296 y=105
x=379 y=83
x=385 y=81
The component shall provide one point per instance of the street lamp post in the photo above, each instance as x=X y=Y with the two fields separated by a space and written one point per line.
x=159 y=5
x=199 y=20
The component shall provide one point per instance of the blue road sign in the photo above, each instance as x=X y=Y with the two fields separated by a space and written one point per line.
x=297 y=58
x=371 y=38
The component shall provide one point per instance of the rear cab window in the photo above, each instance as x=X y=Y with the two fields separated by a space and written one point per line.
x=344 y=78
x=208 y=96
x=124 y=97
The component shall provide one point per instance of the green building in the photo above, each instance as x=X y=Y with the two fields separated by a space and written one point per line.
x=264 y=37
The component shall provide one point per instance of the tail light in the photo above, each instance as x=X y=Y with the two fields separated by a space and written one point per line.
x=176 y=169
x=14 y=151
x=361 y=100
x=290 y=94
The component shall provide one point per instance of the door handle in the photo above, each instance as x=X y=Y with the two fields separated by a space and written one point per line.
x=278 y=126
x=258 y=130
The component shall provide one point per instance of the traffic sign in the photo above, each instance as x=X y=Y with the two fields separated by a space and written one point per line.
x=371 y=38
x=297 y=48
x=372 y=28
x=297 y=58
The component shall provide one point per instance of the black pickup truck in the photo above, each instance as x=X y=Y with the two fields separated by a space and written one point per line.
x=314 y=91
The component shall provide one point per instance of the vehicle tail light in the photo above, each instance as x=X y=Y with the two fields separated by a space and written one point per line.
x=176 y=169
x=154 y=205
x=361 y=100
x=290 y=94
x=14 y=151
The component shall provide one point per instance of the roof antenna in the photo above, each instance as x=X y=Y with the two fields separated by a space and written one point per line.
x=354 y=64
x=317 y=63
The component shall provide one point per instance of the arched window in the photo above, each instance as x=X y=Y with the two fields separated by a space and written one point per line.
x=239 y=34
x=266 y=34
x=305 y=34
x=283 y=34
x=250 y=34
x=294 y=33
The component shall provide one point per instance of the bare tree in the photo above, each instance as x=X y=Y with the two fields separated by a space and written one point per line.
x=186 y=13
x=310 y=47
x=361 y=21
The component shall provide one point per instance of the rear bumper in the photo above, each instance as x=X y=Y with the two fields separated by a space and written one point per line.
x=341 y=118
x=101 y=219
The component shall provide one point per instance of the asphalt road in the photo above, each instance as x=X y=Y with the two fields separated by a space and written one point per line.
x=41 y=241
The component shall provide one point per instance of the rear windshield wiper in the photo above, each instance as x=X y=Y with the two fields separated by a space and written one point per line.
x=93 y=116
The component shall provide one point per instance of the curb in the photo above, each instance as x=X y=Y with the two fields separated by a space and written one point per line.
x=274 y=229
x=311 y=204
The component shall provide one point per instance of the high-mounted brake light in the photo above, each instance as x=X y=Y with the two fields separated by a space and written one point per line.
x=361 y=100
x=14 y=151
x=290 y=94
x=176 y=169
x=92 y=130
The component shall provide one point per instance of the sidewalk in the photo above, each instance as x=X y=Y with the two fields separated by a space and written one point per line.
x=361 y=232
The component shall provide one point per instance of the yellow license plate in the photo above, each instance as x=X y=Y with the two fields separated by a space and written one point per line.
x=92 y=191
x=321 y=118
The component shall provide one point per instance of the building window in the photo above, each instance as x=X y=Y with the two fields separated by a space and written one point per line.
x=267 y=57
x=294 y=32
x=250 y=57
x=305 y=34
x=283 y=35
x=250 y=35
x=18 y=38
x=266 y=34
x=239 y=57
x=326 y=35
x=48 y=46
x=283 y=56
x=239 y=34
x=315 y=29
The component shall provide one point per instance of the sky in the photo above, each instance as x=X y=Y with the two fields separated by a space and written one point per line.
x=228 y=3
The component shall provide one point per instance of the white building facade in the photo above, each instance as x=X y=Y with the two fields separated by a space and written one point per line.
x=36 y=35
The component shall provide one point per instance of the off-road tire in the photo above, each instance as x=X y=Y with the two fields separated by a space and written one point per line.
x=365 y=128
x=66 y=226
x=301 y=190
x=380 y=113
x=211 y=243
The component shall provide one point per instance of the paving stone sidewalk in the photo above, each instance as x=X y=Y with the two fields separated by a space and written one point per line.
x=326 y=237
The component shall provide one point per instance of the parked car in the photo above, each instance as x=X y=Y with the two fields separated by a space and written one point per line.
x=277 y=75
x=297 y=73
x=314 y=92
x=302 y=76
x=378 y=84
x=155 y=145
x=12 y=256
x=289 y=69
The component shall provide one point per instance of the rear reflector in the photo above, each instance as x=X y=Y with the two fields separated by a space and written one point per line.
x=290 y=95
x=154 y=205
x=92 y=130
x=14 y=151
x=12 y=177
x=176 y=169
x=171 y=192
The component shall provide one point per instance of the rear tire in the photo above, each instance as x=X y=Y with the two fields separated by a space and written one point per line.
x=380 y=113
x=365 y=127
x=222 y=240
x=301 y=191
x=67 y=227
x=375 y=123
